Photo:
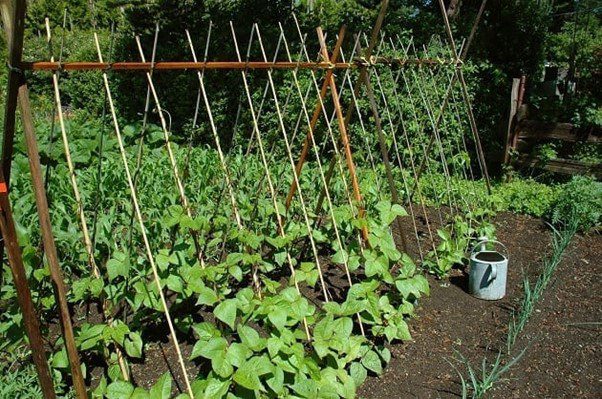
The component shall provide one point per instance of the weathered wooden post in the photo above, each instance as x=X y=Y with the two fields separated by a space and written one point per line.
x=511 y=118
x=13 y=16
x=516 y=99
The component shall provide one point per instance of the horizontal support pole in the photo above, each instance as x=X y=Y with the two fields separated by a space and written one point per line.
x=226 y=65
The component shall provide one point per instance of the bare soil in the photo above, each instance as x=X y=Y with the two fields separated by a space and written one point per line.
x=562 y=338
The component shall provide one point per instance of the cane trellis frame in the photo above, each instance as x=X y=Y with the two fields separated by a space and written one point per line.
x=367 y=61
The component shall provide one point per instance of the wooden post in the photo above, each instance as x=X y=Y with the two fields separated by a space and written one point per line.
x=48 y=241
x=519 y=103
x=13 y=16
x=30 y=317
x=511 y=120
x=473 y=30
x=356 y=90
x=13 y=19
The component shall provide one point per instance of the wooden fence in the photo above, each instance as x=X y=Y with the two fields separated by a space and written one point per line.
x=523 y=134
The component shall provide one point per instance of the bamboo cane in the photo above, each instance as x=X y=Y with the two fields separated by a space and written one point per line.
x=281 y=231
x=140 y=219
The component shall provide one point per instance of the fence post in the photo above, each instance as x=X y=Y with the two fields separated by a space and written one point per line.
x=511 y=118
x=516 y=101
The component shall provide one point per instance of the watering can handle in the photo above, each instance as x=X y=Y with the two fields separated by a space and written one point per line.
x=478 y=244
x=493 y=274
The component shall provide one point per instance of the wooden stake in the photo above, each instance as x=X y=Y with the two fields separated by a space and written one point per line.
x=13 y=19
x=333 y=140
x=13 y=15
x=321 y=172
x=48 y=241
x=357 y=87
x=30 y=317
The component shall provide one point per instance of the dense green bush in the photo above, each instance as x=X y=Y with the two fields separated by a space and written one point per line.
x=580 y=199
x=526 y=196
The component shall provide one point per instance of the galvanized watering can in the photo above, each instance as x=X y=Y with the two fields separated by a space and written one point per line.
x=488 y=271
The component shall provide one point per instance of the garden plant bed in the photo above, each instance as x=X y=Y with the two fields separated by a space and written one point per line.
x=451 y=320
x=562 y=360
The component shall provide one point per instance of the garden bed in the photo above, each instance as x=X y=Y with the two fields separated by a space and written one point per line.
x=562 y=359
x=451 y=320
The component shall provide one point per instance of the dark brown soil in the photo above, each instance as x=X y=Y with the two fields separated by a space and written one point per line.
x=159 y=358
x=563 y=356
x=564 y=336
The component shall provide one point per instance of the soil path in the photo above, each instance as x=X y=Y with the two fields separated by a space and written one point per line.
x=564 y=336
x=563 y=359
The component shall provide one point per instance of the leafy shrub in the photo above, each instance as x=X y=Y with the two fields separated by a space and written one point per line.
x=19 y=383
x=526 y=196
x=580 y=199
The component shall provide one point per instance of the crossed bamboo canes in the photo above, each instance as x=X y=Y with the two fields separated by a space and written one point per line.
x=289 y=155
x=310 y=140
x=78 y=200
x=222 y=160
x=451 y=194
x=445 y=127
x=428 y=108
x=463 y=85
x=321 y=108
x=408 y=146
x=272 y=192
x=173 y=162
x=420 y=134
x=344 y=122
x=425 y=104
x=140 y=220
x=393 y=135
x=319 y=163
x=459 y=76
x=364 y=134
x=172 y=159
x=435 y=129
